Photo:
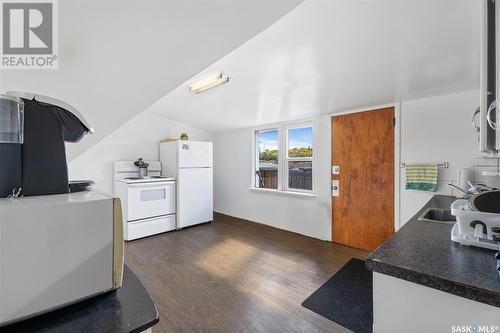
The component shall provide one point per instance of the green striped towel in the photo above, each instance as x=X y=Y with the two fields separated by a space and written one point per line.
x=422 y=177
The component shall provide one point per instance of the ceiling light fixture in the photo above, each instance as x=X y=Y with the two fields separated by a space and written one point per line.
x=208 y=83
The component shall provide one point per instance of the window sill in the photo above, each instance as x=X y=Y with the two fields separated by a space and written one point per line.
x=286 y=193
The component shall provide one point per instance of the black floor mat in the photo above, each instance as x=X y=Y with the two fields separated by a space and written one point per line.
x=346 y=298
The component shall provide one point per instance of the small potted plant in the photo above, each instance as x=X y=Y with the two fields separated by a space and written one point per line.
x=184 y=137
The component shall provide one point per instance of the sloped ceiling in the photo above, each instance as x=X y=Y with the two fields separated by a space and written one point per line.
x=119 y=57
x=327 y=56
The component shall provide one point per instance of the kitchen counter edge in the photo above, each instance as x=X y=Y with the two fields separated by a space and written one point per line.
x=388 y=260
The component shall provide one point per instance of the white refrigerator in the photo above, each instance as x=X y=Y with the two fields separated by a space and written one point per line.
x=191 y=163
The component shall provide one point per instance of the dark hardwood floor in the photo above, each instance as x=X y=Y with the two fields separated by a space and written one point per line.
x=236 y=276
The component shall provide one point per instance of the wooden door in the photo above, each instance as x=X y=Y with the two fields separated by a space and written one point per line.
x=363 y=148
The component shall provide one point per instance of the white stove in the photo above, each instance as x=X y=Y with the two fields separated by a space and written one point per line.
x=148 y=203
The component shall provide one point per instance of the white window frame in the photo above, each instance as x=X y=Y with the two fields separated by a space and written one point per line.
x=287 y=158
x=256 y=156
x=283 y=158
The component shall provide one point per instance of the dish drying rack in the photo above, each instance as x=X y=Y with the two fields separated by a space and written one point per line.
x=474 y=228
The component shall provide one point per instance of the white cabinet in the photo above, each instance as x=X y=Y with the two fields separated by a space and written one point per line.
x=403 y=306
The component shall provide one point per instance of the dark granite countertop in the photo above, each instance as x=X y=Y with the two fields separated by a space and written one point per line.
x=423 y=253
x=128 y=309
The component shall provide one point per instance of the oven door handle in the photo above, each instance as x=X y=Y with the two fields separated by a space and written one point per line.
x=144 y=185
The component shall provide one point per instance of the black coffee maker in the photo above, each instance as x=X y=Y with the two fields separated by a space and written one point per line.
x=33 y=132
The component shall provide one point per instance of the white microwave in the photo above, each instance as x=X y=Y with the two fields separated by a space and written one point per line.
x=57 y=250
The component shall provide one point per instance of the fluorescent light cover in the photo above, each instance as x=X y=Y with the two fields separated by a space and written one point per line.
x=208 y=83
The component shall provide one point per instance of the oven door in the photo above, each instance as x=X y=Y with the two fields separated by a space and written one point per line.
x=147 y=200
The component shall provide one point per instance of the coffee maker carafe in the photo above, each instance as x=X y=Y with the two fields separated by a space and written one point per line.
x=11 y=139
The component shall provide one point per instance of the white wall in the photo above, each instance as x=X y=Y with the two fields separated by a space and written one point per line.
x=433 y=129
x=137 y=138
x=233 y=176
x=437 y=129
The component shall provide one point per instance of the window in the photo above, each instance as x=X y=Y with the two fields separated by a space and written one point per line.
x=299 y=157
x=267 y=166
x=291 y=170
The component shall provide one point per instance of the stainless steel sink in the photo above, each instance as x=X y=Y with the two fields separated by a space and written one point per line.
x=437 y=215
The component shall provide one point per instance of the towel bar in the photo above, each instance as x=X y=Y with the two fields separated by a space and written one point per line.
x=442 y=165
